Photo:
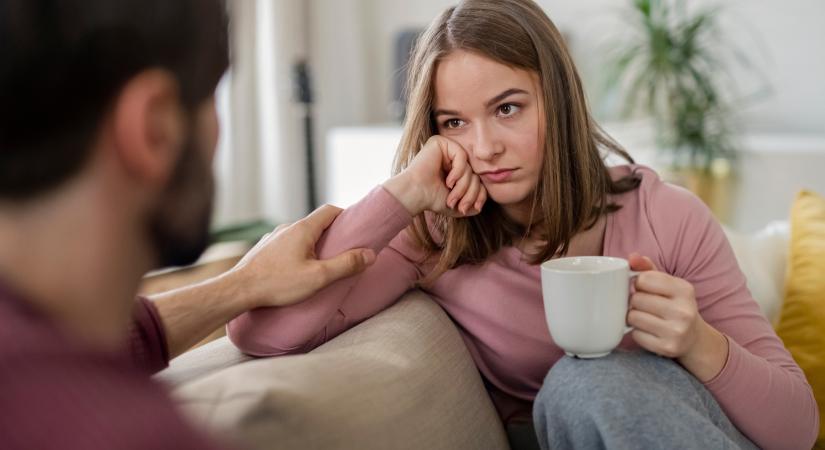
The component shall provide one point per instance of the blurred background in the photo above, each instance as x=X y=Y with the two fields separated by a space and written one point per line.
x=311 y=108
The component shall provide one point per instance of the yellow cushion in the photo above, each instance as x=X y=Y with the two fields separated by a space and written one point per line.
x=802 y=321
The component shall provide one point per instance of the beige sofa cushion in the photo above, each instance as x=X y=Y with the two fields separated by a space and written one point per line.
x=201 y=361
x=401 y=380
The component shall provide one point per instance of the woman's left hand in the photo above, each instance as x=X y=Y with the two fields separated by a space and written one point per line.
x=667 y=322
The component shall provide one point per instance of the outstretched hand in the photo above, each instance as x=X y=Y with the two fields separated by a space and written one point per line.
x=283 y=268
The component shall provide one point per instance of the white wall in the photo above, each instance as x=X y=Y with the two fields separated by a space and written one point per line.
x=793 y=32
x=340 y=69
x=261 y=160
x=352 y=42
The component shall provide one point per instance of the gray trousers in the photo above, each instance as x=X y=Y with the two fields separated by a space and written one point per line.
x=629 y=400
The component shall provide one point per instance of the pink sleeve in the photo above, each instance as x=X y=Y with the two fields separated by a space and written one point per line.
x=760 y=388
x=147 y=338
x=373 y=222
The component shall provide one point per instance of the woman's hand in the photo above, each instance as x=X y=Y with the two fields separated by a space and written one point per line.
x=439 y=179
x=667 y=322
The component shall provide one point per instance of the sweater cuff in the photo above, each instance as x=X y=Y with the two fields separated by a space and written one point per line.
x=398 y=214
x=722 y=380
x=147 y=339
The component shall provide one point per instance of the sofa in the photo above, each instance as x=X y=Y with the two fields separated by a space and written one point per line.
x=401 y=380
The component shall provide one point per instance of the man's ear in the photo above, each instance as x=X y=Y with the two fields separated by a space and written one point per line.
x=149 y=126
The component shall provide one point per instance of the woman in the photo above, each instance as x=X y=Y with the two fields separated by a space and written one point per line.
x=499 y=169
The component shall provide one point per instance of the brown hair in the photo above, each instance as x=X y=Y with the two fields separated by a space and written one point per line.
x=574 y=184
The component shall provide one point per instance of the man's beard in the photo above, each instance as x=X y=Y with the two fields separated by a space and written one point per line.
x=179 y=227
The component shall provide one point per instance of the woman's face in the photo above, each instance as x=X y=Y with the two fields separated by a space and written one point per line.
x=495 y=112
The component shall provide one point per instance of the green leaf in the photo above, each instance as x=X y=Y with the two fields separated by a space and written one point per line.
x=675 y=70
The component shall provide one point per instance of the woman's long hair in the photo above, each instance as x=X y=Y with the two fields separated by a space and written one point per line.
x=574 y=185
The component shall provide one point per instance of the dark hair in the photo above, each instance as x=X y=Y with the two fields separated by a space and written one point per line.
x=63 y=63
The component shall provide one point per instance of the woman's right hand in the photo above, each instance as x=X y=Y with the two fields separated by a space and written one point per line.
x=439 y=179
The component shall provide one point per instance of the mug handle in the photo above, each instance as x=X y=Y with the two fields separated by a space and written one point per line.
x=630 y=276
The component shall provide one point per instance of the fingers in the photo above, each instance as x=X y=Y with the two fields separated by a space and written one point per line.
x=461 y=187
x=345 y=265
x=482 y=198
x=640 y=263
x=647 y=322
x=454 y=161
x=660 y=283
x=319 y=220
x=467 y=194
x=649 y=303
x=467 y=203
x=465 y=186
x=664 y=344
x=265 y=238
x=272 y=234
x=653 y=343
x=279 y=229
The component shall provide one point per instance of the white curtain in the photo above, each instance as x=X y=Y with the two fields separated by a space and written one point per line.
x=261 y=163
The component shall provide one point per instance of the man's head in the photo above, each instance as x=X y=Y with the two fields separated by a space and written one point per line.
x=141 y=73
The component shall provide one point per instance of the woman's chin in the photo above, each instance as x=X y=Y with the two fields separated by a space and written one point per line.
x=508 y=199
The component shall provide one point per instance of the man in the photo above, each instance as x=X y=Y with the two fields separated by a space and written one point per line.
x=107 y=133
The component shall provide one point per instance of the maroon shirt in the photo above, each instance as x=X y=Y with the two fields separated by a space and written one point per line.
x=58 y=394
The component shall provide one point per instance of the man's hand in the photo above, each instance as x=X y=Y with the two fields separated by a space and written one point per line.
x=283 y=269
x=280 y=270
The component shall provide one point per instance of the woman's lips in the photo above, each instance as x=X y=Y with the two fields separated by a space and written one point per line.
x=498 y=176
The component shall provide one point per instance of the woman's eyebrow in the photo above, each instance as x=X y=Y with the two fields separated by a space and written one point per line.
x=487 y=104
x=504 y=95
x=444 y=112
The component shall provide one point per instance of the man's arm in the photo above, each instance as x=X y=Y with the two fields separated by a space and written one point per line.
x=280 y=270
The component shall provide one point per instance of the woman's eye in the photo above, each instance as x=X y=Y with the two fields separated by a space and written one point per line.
x=453 y=123
x=508 y=109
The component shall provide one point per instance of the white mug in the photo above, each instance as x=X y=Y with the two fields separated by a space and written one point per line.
x=585 y=302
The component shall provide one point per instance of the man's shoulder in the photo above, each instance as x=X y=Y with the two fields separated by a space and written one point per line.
x=84 y=403
x=24 y=333
x=83 y=398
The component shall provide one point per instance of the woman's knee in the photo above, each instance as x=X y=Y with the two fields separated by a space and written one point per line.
x=574 y=382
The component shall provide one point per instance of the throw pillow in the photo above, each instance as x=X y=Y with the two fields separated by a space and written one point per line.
x=802 y=320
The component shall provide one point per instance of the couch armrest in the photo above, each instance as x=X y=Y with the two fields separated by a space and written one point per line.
x=401 y=380
x=202 y=361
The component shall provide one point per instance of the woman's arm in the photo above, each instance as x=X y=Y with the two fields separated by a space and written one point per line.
x=760 y=387
x=439 y=179
x=371 y=223
x=280 y=270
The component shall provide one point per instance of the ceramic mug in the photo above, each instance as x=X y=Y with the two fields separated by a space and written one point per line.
x=585 y=303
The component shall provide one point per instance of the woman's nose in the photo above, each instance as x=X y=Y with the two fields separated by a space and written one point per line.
x=485 y=145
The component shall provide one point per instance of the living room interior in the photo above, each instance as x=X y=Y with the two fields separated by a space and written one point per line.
x=311 y=112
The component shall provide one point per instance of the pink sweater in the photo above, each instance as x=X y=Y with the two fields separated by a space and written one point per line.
x=499 y=311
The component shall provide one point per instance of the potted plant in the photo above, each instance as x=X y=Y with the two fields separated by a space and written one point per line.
x=673 y=69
